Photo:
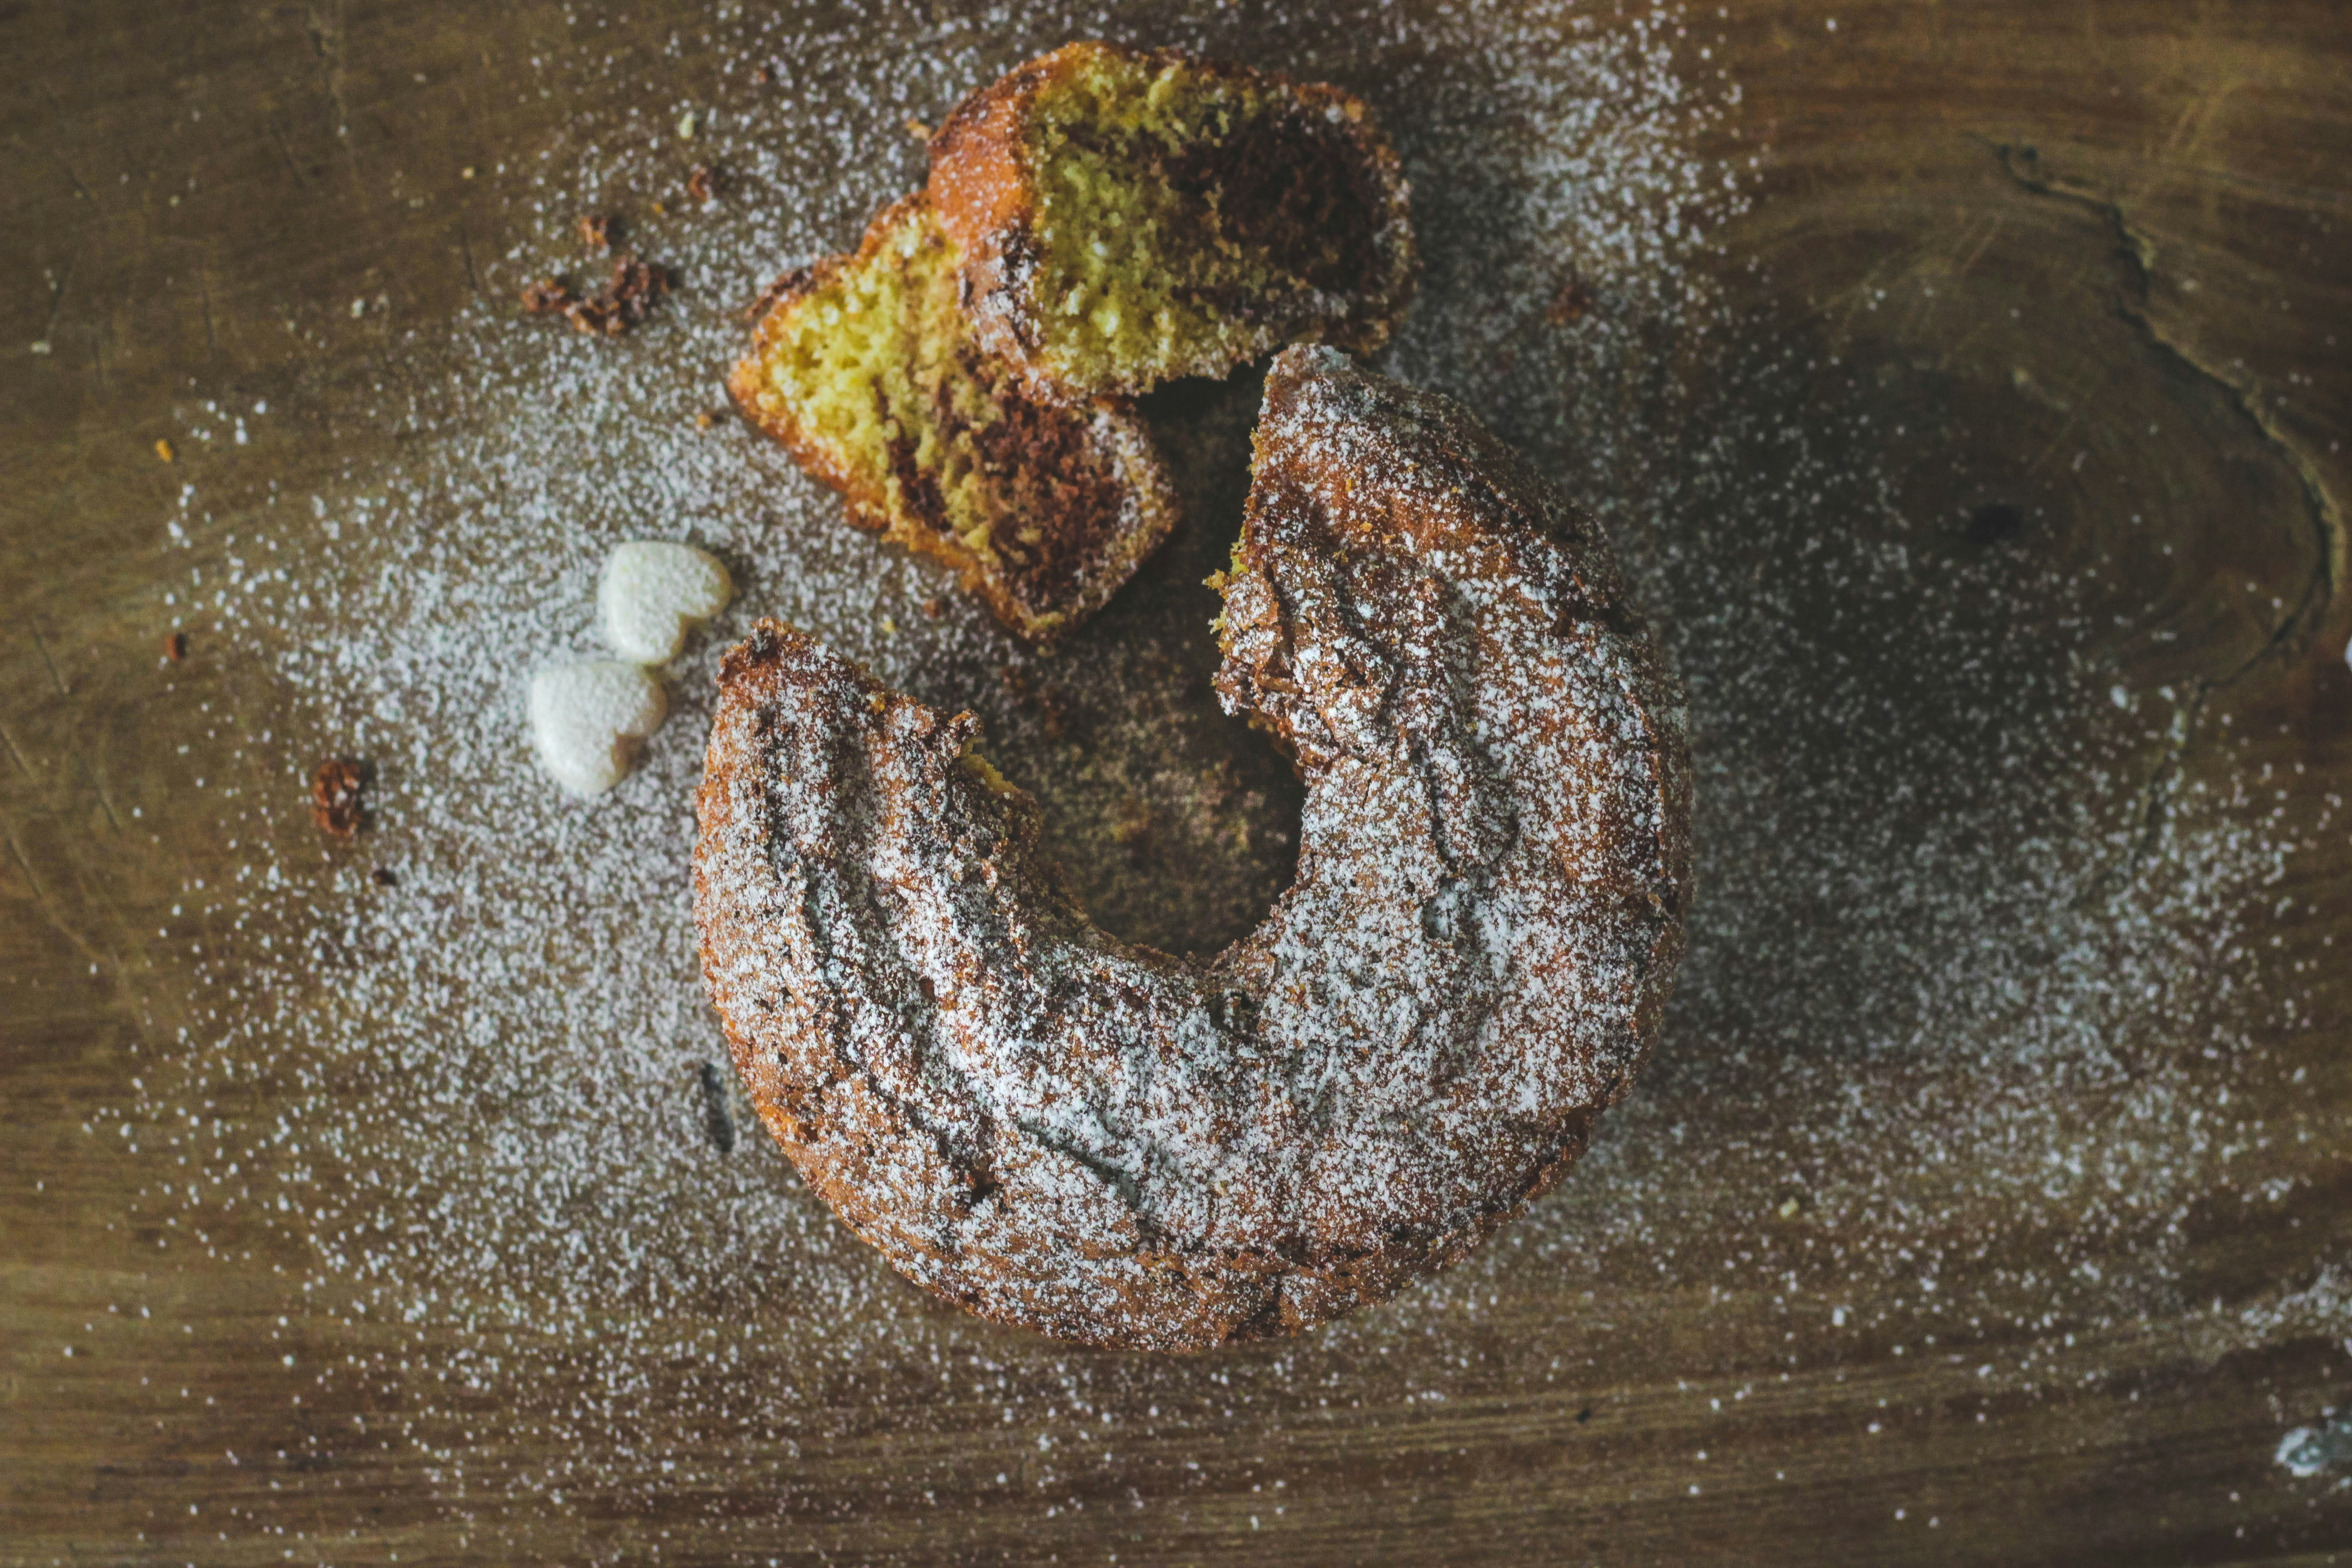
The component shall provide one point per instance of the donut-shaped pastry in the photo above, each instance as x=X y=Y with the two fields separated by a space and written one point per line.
x=1056 y=1129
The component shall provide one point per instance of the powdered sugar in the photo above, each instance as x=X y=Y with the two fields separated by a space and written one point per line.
x=1924 y=1028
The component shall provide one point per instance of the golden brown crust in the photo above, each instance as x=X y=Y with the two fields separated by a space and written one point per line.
x=1116 y=1146
x=986 y=192
x=1077 y=493
x=978 y=181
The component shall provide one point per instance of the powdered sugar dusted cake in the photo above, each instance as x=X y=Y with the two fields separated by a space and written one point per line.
x=1056 y=1129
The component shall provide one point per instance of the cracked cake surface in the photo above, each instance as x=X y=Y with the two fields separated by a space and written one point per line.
x=1119 y=1146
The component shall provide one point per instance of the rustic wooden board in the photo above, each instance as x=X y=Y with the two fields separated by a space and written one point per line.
x=2019 y=295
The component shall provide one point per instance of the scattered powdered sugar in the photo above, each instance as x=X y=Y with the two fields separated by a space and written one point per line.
x=1951 y=981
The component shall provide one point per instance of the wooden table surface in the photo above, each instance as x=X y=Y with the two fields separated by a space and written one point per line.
x=1988 y=1200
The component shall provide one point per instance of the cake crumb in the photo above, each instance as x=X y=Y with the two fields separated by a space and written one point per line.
x=702 y=182
x=547 y=297
x=621 y=304
x=175 y=646
x=163 y=449
x=335 y=796
x=600 y=230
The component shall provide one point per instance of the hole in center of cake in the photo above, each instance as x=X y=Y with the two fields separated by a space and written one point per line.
x=1177 y=823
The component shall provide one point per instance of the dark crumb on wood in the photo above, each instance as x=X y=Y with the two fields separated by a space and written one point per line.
x=335 y=796
x=547 y=297
x=1568 y=306
x=624 y=302
x=718 y=1123
x=637 y=284
x=175 y=646
x=935 y=606
x=761 y=76
x=702 y=182
x=600 y=230
x=382 y=878
x=595 y=315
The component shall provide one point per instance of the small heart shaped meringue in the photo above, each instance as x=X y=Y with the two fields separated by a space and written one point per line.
x=589 y=721
x=651 y=592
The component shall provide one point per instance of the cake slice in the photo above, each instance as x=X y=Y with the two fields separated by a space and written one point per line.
x=867 y=369
x=1128 y=217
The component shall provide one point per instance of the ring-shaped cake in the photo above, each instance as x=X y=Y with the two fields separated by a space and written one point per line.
x=1119 y=1146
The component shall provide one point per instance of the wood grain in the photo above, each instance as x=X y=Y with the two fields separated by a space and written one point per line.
x=1983 y=238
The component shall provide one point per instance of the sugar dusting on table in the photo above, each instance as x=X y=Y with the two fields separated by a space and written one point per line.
x=488 y=1100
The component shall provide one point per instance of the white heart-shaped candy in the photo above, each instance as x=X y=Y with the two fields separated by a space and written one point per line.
x=590 y=720
x=652 y=592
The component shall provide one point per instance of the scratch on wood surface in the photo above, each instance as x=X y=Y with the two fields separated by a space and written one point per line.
x=32 y=879
x=2061 y=438
x=287 y=152
x=58 y=297
x=212 y=337
x=98 y=788
x=49 y=913
x=57 y=107
x=466 y=247
x=2196 y=120
x=54 y=678
x=324 y=25
x=1992 y=232
x=15 y=751
x=65 y=168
